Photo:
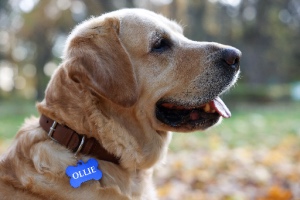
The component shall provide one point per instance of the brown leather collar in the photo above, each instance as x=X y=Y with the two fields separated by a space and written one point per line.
x=75 y=142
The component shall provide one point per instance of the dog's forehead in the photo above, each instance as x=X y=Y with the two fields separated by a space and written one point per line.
x=147 y=20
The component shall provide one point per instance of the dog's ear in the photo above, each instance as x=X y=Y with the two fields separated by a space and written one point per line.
x=96 y=58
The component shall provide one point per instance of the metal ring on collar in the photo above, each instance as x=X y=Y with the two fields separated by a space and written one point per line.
x=80 y=146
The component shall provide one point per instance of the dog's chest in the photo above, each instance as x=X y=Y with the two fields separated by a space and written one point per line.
x=142 y=185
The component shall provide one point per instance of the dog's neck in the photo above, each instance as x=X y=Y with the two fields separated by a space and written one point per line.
x=85 y=113
x=75 y=142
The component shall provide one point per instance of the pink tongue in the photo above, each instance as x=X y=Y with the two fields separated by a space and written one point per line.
x=220 y=107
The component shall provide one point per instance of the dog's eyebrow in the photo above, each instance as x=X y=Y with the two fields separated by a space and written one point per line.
x=160 y=33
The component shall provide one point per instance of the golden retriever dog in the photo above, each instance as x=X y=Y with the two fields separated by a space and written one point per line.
x=126 y=79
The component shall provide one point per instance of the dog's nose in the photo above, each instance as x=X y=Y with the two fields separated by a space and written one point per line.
x=232 y=56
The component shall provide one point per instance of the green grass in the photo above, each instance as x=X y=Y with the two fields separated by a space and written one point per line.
x=256 y=124
x=12 y=116
x=250 y=125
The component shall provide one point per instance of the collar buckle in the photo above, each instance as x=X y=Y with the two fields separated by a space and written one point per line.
x=51 y=131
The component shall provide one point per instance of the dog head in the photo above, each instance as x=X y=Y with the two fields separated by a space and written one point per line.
x=180 y=79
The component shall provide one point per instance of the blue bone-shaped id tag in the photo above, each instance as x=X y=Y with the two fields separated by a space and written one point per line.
x=83 y=172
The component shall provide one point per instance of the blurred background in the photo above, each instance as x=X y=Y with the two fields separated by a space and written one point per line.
x=253 y=155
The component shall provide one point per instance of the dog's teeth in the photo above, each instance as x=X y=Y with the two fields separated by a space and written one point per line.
x=207 y=107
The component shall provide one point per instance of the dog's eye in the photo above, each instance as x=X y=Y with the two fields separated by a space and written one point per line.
x=161 y=45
